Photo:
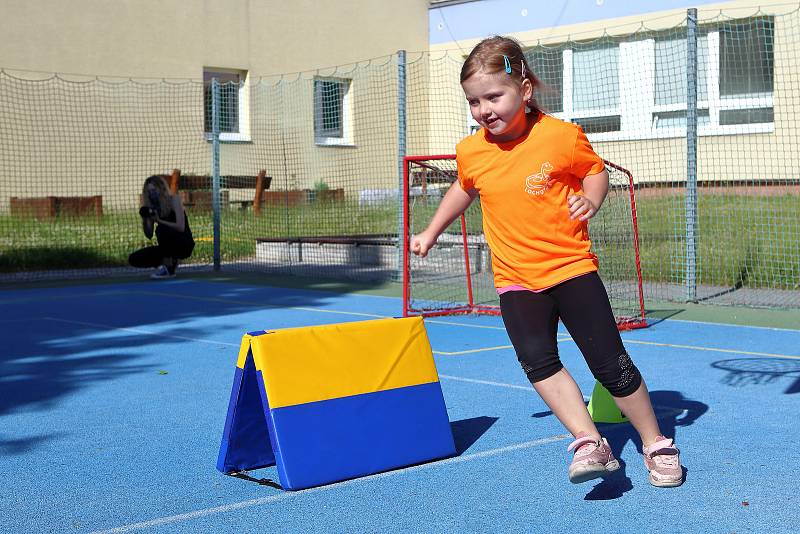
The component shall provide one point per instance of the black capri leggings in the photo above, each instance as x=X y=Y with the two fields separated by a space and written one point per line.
x=531 y=320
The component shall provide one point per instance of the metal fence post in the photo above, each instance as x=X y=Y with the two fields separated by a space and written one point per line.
x=401 y=153
x=215 y=108
x=691 y=154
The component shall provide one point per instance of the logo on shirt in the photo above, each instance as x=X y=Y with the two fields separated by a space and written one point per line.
x=538 y=184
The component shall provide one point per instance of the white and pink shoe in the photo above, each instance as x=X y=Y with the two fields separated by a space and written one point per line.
x=663 y=461
x=592 y=459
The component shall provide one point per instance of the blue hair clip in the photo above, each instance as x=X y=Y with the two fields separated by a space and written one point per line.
x=507 y=63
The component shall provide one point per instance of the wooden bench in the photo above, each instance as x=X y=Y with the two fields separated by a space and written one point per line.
x=53 y=206
x=258 y=184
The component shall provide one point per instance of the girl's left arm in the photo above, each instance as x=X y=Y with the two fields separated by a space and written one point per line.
x=595 y=188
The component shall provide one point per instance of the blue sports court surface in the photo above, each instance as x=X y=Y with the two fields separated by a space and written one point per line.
x=113 y=399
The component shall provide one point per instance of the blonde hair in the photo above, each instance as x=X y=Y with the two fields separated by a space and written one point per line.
x=164 y=196
x=498 y=54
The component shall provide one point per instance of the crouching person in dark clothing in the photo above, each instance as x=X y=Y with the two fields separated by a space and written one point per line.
x=163 y=212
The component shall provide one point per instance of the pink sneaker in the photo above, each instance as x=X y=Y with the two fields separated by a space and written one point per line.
x=663 y=460
x=592 y=459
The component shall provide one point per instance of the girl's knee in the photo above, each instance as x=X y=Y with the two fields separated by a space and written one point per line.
x=619 y=375
x=539 y=367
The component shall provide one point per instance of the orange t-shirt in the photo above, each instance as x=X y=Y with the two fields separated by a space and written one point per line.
x=533 y=241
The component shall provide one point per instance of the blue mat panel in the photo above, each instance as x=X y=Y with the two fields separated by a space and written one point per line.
x=327 y=441
x=245 y=442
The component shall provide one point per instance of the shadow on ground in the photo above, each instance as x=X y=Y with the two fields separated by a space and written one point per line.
x=673 y=410
x=60 y=340
x=741 y=372
x=468 y=431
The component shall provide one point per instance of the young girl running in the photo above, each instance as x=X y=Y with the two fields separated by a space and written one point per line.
x=540 y=182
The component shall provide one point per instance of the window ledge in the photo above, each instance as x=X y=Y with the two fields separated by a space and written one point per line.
x=334 y=142
x=666 y=133
x=230 y=138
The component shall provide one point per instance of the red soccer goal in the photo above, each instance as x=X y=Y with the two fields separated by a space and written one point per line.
x=456 y=276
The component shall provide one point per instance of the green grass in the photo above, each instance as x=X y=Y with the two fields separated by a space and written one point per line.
x=28 y=244
x=742 y=240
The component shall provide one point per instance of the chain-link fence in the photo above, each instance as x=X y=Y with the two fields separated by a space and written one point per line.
x=300 y=174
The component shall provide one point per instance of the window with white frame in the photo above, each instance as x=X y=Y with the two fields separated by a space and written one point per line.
x=670 y=85
x=746 y=71
x=595 y=88
x=636 y=88
x=332 y=112
x=234 y=123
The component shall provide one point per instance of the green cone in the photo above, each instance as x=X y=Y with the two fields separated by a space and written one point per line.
x=602 y=407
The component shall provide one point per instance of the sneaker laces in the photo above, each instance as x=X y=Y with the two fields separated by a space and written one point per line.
x=664 y=453
x=669 y=461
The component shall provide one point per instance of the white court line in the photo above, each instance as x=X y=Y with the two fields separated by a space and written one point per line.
x=486 y=382
x=453 y=323
x=712 y=349
x=263 y=304
x=142 y=331
x=669 y=411
x=634 y=341
x=734 y=325
x=290 y=495
x=62 y=297
x=266 y=305
x=473 y=351
x=212 y=342
x=490 y=383
x=166 y=520
x=640 y=342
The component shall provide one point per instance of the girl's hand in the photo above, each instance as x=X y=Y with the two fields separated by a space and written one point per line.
x=422 y=243
x=581 y=208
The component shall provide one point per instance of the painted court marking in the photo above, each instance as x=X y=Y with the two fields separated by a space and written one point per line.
x=263 y=304
x=471 y=351
x=453 y=323
x=561 y=337
x=734 y=325
x=141 y=331
x=712 y=349
x=486 y=349
x=166 y=520
x=290 y=495
x=179 y=518
x=446 y=377
x=486 y=382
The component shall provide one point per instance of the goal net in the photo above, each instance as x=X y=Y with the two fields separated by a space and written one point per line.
x=456 y=275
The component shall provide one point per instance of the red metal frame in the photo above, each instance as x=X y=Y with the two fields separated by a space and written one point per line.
x=406 y=239
x=625 y=323
x=640 y=322
x=466 y=261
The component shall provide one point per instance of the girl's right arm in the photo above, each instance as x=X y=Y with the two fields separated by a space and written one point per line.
x=454 y=203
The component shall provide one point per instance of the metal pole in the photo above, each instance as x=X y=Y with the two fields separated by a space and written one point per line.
x=401 y=153
x=215 y=107
x=691 y=154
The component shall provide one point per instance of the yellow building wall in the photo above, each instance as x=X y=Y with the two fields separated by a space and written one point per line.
x=128 y=99
x=177 y=38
